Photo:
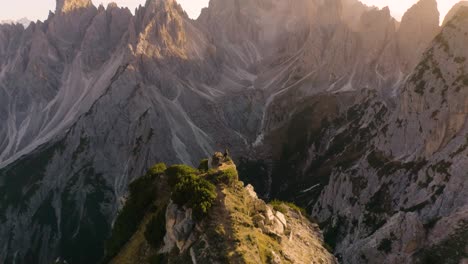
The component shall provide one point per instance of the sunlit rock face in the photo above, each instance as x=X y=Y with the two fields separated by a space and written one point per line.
x=418 y=27
x=451 y=14
x=91 y=97
x=65 y=6
x=433 y=105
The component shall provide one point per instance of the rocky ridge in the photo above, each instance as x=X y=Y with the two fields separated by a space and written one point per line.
x=239 y=228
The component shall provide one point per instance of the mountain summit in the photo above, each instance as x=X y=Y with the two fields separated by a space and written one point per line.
x=418 y=27
x=65 y=6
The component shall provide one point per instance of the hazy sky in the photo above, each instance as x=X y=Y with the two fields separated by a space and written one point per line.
x=39 y=9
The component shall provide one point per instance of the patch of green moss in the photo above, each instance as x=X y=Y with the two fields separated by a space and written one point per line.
x=157 y=169
x=176 y=172
x=283 y=207
x=228 y=177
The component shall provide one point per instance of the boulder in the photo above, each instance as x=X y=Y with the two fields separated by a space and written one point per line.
x=280 y=216
x=217 y=159
x=179 y=227
x=251 y=191
x=277 y=227
x=258 y=218
x=269 y=216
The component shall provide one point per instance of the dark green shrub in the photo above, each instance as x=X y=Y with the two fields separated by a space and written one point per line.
x=228 y=176
x=157 y=169
x=156 y=229
x=279 y=206
x=175 y=172
x=203 y=165
x=283 y=207
x=196 y=193
x=141 y=195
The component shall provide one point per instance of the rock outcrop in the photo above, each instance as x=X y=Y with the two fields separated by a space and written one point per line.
x=238 y=228
x=453 y=11
x=418 y=28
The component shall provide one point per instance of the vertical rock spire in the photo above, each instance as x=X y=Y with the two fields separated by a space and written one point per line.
x=64 y=6
x=418 y=27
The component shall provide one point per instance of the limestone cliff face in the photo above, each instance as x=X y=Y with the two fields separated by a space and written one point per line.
x=433 y=107
x=418 y=27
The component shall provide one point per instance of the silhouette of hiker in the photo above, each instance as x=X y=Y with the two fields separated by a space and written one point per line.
x=226 y=154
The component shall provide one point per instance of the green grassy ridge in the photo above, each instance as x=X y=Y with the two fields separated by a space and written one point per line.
x=189 y=187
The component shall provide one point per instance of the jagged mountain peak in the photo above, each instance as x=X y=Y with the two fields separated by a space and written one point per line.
x=418 y=27
x=453 y=11
x=161 y=29
x=422 y=10
x=112 y=5
x=162 y=10
x=459 y=17
x=162 y=5
x=65 y=6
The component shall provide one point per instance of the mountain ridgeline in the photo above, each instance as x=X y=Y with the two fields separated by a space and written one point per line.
x=333 y=105
x=185 y=215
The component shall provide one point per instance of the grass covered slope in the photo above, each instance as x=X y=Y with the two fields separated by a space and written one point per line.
x=206 y=215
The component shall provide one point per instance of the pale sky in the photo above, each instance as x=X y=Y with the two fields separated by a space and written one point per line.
x=39 y=9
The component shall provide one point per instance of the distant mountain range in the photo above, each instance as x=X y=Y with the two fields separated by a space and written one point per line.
x=23 y=21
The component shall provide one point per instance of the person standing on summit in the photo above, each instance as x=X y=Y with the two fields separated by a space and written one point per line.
x=226 y=153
